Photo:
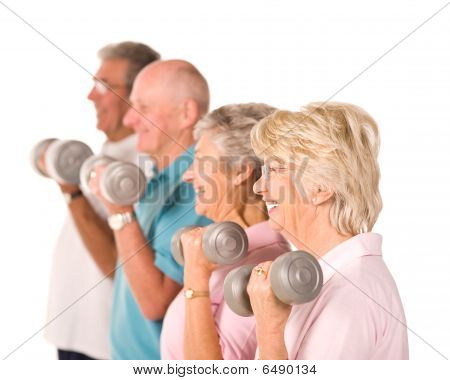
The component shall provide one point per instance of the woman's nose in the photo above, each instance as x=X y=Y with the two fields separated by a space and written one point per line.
x=259 y=187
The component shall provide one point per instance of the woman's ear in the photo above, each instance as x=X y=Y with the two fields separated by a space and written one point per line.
x=321 y=196
x=244 y=173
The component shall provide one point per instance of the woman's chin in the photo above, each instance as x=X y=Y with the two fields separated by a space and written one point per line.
x=200 y=208
x=274 y=223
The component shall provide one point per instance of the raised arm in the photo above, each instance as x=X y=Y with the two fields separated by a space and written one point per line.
x=94 y=232
x=201 y=339
x=152 y=289
x=271 y=315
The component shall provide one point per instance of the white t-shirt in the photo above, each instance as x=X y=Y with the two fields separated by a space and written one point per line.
x=80 y=296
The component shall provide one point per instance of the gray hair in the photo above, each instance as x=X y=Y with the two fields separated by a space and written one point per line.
x=138 y=55
x=230 y=128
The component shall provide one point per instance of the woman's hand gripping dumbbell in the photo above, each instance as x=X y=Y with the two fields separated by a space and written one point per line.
x=294 y=278
x=222 y=243
x=203 y=249
x=60 y=160
x=117 y=183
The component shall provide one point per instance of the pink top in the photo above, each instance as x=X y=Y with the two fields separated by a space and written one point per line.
x=357 y=313
x=237 y=334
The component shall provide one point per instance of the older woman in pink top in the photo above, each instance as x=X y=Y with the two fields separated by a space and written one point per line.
x=320 y=183
x=223 y=174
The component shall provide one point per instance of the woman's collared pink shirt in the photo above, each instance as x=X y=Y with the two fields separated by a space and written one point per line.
x=237 y=334
x=358 y=313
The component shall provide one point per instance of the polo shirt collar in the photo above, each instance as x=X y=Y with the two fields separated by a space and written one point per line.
x=176 y=169
x=160 y=188
x=365 y=244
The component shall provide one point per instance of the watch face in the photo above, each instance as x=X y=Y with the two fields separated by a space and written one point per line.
x=189 y=293
x=115 y=221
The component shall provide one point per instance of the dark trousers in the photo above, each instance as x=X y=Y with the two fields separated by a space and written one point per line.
x=72 y=355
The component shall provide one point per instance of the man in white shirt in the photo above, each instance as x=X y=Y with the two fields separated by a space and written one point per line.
x=80 y=296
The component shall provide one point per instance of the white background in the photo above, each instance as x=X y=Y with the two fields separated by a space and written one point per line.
x=285 y=53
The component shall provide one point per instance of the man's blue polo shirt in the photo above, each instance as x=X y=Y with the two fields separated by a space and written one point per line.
x=168 y=205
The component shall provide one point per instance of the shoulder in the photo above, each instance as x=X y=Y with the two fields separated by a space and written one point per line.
x=365 y=287
x=367 y=273
x=124 y=150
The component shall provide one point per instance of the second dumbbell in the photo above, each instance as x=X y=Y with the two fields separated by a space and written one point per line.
x=295 y=278
x=223 y=243
x=121 y=183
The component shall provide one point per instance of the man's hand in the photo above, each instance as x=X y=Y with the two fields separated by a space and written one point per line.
x=94 y=185
x=68 y=188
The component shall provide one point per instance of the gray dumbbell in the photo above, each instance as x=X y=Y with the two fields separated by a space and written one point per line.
x=63 y=159
x=223 y=243
x=122 y=183
x=89 y=166
x=36 y=154
x=295 y=277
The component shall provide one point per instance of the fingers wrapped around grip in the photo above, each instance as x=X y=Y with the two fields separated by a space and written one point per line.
x=223 y=243
x=122 y=183
x=87 y=170
x=37 y=153
x=60 y=159
x=295 y=278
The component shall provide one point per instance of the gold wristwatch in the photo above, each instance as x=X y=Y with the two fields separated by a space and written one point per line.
x=191 y=293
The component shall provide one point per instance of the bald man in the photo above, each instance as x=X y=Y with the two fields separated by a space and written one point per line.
x=168 y=98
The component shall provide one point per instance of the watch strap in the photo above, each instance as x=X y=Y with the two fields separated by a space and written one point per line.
x=191 y=293
x=120 y=220
x=69 y=197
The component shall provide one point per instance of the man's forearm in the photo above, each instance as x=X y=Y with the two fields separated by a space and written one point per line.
x=152 y=290
x=95 y=234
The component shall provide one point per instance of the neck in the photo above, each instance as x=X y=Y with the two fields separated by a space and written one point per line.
x=118 y=134
x=245 y=211
x=319 y=235
x=167 y=156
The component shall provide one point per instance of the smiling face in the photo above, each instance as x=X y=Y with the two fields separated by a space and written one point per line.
x=162 y=115
x=210 y=178
x=109 y=106
x=152 y=117
x=290 y=211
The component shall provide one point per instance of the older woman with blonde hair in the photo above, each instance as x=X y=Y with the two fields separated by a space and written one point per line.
x=320 y=183
x=198 y=323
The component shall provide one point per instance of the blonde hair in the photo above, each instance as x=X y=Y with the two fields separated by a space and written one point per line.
x=340 y=142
